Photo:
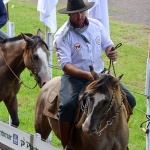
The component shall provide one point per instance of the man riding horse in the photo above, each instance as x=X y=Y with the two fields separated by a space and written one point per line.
x=79 y=44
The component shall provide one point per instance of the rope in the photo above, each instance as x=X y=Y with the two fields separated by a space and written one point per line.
x=141 y=126
x=20 y=81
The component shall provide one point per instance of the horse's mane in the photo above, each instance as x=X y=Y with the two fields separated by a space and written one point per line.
x=36 y=38
x=103 y=84
x=19 y=37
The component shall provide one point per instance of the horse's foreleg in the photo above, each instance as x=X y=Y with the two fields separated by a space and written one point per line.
x=42 y=126
x=41 y=123
x=12 y=107
x=54 y=125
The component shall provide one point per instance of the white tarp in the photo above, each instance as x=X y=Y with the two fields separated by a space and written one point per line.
x=6 y=1
x=100 y=12
x=47 y=9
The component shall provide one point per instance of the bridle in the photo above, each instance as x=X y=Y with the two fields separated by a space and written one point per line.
x=111 y=120
x=84 y=108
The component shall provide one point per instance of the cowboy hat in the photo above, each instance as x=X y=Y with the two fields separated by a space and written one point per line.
x=74 y=6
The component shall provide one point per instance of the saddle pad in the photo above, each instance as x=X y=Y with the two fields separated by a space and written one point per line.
x=127 y=106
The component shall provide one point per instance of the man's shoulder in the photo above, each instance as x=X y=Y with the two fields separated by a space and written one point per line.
x=95 y=22
x=60 y=30
x=1 y=6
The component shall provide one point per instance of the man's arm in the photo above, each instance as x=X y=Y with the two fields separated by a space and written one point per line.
x=76 y=72
x=3 y=14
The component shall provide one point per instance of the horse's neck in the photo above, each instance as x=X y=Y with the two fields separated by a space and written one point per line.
x=11 y=54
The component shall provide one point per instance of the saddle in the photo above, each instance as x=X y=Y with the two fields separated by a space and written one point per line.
x=53 y=101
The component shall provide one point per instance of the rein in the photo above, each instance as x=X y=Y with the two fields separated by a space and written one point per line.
x=20 y=81
x=111 y=63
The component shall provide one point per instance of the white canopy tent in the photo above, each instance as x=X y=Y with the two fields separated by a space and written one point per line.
x=5 y=1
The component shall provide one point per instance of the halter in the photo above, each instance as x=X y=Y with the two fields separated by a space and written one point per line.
x=38 y=41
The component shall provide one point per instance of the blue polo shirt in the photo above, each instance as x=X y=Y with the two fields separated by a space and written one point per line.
x=3 y=14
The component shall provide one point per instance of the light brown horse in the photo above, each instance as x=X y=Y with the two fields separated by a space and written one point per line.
x=103 y=116
x=16 y=54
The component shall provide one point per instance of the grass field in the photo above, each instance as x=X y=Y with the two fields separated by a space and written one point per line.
x=131 y=62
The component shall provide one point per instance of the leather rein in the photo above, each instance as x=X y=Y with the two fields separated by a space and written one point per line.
x=111 y=63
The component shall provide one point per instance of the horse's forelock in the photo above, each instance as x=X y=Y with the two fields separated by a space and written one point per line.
x=37 y=40
x=103 y=84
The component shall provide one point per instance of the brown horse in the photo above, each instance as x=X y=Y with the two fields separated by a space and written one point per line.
x=16 y=54
x=103 y=116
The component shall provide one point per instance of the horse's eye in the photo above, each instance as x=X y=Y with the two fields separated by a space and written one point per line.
x=35 y=57
x=91 y=98
x=90 y=94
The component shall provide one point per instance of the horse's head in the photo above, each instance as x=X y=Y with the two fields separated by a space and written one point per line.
x=98 y=100
x=36 y=57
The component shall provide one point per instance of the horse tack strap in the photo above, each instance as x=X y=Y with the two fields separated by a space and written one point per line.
x=51 y=106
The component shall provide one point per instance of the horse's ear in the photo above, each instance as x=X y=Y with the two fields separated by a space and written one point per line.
x=117 y=79
x=120 y=77
x=39 y=33
x=94 y=74
x=27 y=39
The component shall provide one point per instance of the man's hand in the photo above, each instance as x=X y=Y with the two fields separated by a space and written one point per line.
x=111 y=53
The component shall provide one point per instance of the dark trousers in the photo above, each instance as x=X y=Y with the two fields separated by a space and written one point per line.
x=69 y=91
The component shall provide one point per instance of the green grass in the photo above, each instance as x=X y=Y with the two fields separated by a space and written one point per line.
x=132 y=59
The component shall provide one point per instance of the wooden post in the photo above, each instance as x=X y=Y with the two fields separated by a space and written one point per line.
x=7 y=10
